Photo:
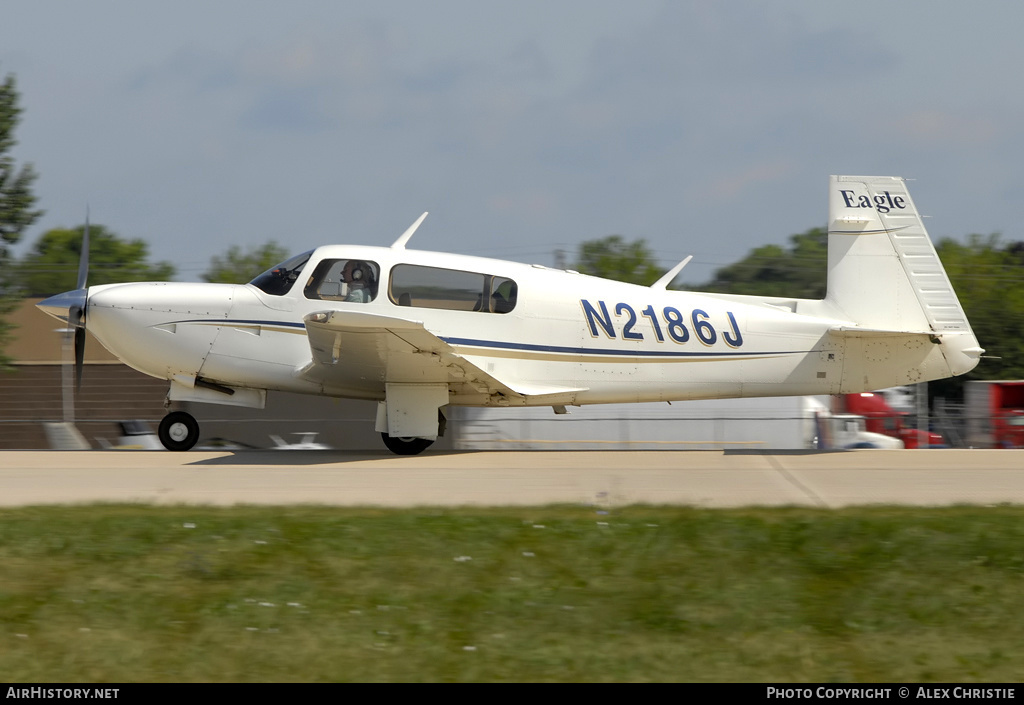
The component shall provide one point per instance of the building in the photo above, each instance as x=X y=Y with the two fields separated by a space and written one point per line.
x=39 y=390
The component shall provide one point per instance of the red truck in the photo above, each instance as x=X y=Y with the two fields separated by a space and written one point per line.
x=883 y=418
x=994 y=410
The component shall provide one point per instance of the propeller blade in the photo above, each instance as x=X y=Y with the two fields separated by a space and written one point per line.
x=79 y=356
x=83 y=260
x=76 y=314
x=75 y=322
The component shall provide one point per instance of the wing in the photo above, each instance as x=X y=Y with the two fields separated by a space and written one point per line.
x=357 y=350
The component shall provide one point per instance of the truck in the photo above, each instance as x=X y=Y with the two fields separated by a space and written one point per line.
x=994 y=412
x=768 y=423
x=888 y=411
x=849 y=431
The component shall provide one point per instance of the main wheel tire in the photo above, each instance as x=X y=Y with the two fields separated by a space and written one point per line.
x=406 y=446
x=178 y=431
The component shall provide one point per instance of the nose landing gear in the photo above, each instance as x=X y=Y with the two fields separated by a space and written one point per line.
x=178 y=431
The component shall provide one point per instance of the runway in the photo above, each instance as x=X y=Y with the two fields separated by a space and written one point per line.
x=616 y=478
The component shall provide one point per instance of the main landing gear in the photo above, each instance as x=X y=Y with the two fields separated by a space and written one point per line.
x=406 y=446
x=178 y=431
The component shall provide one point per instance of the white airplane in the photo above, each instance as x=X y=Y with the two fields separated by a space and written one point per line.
x=420 y=331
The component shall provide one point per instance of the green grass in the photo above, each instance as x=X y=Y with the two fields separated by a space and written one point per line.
x=143 y=594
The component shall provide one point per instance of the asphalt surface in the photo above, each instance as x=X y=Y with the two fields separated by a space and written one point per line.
x=610 y=478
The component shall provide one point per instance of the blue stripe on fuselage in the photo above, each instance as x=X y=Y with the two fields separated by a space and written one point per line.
x=606 y=351
x=238 y=321
x=528 y=347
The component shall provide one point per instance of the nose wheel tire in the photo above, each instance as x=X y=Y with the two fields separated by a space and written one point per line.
x=406 y=446
x=178 y=431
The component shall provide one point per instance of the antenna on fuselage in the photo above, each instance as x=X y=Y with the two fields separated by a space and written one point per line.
x=399 y=244
x=671 y=274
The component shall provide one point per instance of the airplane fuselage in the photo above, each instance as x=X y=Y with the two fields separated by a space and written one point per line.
x=419 y=331
x=569 y=338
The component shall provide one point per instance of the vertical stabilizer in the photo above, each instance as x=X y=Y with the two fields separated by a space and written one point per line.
x=883 y=271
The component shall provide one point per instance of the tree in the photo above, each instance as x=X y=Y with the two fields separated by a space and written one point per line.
x=988 y=278
x=614 y=258
x=52 y=265
x=772 y=270
x=16 y=202
x=237 y=267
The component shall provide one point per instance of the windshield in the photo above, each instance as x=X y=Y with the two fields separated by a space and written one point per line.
x=278 y=280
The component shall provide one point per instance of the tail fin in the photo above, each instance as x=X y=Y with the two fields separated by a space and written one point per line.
x=884 y=273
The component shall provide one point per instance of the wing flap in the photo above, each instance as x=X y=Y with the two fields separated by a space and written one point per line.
x=858 y=332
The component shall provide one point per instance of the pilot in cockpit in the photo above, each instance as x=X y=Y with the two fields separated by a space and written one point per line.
x=357 y=276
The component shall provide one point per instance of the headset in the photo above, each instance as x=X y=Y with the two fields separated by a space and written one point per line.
x=357 y=270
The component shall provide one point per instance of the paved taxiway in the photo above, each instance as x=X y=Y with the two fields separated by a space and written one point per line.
x=616 y=478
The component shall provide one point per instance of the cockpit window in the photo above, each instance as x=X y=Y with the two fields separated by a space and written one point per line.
x=451 y=289
x=278 y=280
x=503 y=295
x=352 y=280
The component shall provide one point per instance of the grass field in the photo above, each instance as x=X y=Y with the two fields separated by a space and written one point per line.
x=144 y=594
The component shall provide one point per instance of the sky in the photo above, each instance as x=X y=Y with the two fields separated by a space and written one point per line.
x=525 y=128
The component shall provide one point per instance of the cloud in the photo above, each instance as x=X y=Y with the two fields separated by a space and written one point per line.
x=567 y=121
x=287 y=109
x=303 y=83
x=734 y=44
x=936 y=128
x=191 y=69
x=534 y=204
x=731 y=185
